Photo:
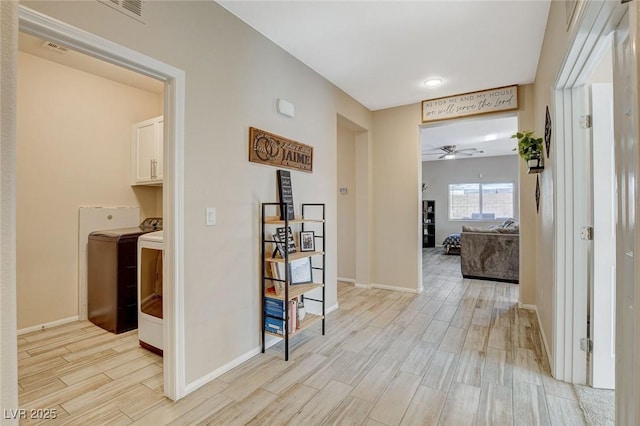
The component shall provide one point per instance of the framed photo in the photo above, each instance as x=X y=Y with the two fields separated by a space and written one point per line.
x=301 y=271
x=307 y=241
x=284 y=234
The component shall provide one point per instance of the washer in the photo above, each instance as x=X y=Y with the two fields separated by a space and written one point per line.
x=112 y=276
x=150 y=308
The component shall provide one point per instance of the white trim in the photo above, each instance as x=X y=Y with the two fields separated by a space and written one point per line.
x=346 y=280
x=394 y=288
x=330 y=309
x=48 y=325
x=365 y=286
x=595 y=20
x=40 y=25
x=226 y=367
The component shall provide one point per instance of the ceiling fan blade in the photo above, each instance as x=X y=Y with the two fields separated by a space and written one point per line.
x=468 y=154
x=442 y=156
x=466 y=149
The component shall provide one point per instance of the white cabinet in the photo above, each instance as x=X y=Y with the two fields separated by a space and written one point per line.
x=146 y=152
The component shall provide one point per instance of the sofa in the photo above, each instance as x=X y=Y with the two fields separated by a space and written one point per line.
x=491 y=253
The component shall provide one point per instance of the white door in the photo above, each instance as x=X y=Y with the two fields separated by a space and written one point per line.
x=626 y=153
x=603 y=295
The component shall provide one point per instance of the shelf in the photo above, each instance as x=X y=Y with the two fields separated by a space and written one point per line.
x=275 y=220
x=294 y=256
x=312 y=219
x=307 y=322
x=295 y=290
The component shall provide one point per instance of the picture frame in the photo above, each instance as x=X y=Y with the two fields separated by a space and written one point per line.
x=307 y=241
x=301 y=271
x=281 y=235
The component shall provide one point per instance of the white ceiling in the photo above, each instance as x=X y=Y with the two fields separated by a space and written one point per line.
x=380 y=52
x=492 y=136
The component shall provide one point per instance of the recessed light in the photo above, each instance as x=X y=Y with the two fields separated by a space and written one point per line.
x=491 y=137
x=449 y=156
x=433 y=82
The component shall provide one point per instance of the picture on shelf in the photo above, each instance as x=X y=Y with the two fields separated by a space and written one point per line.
x=307 y=241
x=284 y=234
x=285 y=194
x=301 y=271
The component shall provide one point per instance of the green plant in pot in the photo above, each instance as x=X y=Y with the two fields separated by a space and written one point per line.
x=530 y=148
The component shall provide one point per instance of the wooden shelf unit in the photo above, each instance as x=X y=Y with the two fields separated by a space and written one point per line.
x=312 y=219
x=428 y=223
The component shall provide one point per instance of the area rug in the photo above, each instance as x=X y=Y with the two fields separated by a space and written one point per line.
x=598 y=405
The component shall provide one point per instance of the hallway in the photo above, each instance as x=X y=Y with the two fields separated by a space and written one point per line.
x=461 y=352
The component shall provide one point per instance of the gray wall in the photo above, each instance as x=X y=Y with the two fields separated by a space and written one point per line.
x=439 y=174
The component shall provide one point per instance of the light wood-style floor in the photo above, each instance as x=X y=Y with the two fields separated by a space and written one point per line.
x=459 y=353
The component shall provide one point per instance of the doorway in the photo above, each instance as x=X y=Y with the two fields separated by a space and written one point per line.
x=36 y=24
x=579 y=260
x=353 y=174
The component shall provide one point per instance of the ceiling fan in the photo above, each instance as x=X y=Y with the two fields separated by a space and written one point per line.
x=449 y=152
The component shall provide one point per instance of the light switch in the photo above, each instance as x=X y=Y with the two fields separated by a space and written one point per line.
x=210 y=216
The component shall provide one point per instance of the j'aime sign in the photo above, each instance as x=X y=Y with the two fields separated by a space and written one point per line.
x=475 y=103
x=273 y=150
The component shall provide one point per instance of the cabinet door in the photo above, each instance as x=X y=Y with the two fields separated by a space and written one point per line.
x=144 y=150
x=159 y=148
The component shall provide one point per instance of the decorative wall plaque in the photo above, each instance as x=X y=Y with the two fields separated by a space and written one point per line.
x=537 y=194
x=547 y=132
x=273 y=150
x=285 y=193
x=468 y=104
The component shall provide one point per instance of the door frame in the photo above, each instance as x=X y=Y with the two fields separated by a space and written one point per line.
x=43 y=26
x=594 y=24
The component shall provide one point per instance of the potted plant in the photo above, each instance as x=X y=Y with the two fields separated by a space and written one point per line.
x=530 y=149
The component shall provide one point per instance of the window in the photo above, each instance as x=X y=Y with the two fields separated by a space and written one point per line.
x=481 y=201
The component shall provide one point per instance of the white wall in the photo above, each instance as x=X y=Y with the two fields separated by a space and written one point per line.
x=347 y=203
x=439 y=174
x=8 y=89
x=74 y=136
x=234 y=76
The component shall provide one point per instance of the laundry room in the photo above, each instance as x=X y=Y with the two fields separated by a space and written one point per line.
x=76 y=127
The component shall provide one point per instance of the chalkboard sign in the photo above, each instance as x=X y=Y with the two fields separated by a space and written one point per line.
x=285 y=193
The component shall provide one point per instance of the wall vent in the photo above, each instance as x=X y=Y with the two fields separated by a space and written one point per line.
x=131 y=8
x=55 y=47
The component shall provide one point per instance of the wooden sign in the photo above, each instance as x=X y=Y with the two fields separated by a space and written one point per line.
x=274 y=150
x=468 y=104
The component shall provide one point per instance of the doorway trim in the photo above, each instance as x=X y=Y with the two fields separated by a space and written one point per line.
x=40 y=25
x=594 y=23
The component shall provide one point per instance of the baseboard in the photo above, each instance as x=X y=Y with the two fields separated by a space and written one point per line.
x=347 y=280
x=331 y=309
x=366 y=286
x=47 y=325
x=269 y=341
x=394 y=288
x=220 y=371
x=544 y=336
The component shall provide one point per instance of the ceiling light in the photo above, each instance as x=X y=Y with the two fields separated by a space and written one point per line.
x=433 y=82
x=491 y=137
x=449 y=156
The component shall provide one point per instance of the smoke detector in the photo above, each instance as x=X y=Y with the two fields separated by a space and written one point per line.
x=55 y=47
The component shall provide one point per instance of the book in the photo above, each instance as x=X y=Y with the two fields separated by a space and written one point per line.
x=285 y=194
